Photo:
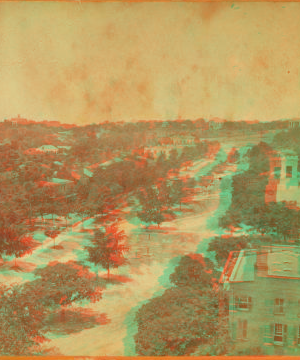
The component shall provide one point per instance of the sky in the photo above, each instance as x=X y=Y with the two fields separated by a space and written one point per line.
x=92 y=62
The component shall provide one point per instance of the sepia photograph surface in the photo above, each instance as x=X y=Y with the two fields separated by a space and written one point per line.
x=149 y=179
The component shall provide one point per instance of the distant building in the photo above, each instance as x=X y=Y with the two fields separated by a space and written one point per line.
x=216 y=124
x=156 y=151
x=283 y=185
x=294 y=124
x=82 y=175
x=61 y=185
x=183 y=140
x=49 y=149
x=262 y=288
x=33 y=151
x=63 y=149
x=17 y=121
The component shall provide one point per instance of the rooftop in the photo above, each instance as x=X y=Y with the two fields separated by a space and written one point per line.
x=61 y=181
x=88 y=173
x=48 y=147
x=270 y=261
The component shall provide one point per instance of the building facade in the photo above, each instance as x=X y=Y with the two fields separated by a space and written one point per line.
x=283 y=185
x=263 y=292
x=294 y=124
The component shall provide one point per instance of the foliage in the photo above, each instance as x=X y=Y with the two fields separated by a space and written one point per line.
x=151 y=201
x=222 y=246
x=21 y=319
x=108 y=248
x=62 y=284
x=193 y=270
x=14 y=241
x=177 y=322
x=249 y=188
x=185 y=317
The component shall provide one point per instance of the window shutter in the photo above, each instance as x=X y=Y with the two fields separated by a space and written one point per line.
x=295 y=335
x=269 y=306
x=250 y=302
x=232 y=303
x=285 y=334
x=268 y=334
x=261 y=334
x=234 y=330
x=236 y=302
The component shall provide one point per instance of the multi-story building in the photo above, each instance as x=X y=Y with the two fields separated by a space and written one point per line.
x=294 y=123
x=156 y=151
x=263 y=292
x=216 y=124
x=283 y=185
x=49 y=149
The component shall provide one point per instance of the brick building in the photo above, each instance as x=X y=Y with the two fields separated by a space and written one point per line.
x=262 y=288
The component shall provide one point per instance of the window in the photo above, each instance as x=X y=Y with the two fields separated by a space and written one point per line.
x=289 y=170
x=242 y=329
x=278 y=309
x=277 y=171
x=243 y=303
x=278 y=333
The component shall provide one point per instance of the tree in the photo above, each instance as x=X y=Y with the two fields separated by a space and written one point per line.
x=194 y=270
x=100 y=199
x=248 y=193
x=185 y=317
x=177 y=322
x=222 y=246
x=233 y=156
x=65 y=207
x=177 y=192
x=108 y=248
x=20 y=246
x=151 y=206
x=14 y=241
x=173 y=159
x=53 y=233
x=22 y=326
x=61 y=284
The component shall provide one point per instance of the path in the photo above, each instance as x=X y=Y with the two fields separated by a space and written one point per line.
x=148 y=277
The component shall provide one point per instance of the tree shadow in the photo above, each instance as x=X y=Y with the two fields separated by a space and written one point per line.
x=115 y=279
x=57 y=247
x=69 y=321
x=19 y=266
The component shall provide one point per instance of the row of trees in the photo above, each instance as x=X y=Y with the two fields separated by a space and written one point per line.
x=23 y=201
x=248 y=205
x=157 y=202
